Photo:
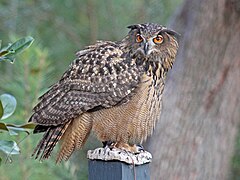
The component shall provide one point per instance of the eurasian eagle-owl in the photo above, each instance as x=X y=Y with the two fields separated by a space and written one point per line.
x=112 y=88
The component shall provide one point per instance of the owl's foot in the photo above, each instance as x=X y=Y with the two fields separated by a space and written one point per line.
x=140 y=148
x=130 y=154
x=135 y=149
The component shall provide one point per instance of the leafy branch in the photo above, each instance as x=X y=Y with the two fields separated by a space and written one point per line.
x=12 y=49
x=8 y=102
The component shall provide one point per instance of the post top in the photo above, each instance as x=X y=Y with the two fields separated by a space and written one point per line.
x=106 y=154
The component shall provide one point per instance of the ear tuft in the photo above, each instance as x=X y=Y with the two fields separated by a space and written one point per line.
x=172 y=32
x=134 y=26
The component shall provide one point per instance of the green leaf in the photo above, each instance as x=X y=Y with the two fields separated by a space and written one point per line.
x=1 y=109
x=9 y=147
x=3 y=53
x=5 y=48
x=23 y=126
x=10 y=58
x=9 y=52
x=15 y=129
x=20 y=45
x=0 y=161
x=3 y=126
x=28 y=126
x=9 y=104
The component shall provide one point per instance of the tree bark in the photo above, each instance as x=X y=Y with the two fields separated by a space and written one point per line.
x=195 y=136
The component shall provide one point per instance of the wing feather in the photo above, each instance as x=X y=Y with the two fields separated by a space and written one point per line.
x=101 y=76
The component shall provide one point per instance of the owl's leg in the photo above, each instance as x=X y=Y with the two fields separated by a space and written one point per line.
x=135 y=149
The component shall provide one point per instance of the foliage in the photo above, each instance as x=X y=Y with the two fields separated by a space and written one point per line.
x=9 y=147
x=28 y=76
x=11 y=50
x=8 y=102
x=8 y=105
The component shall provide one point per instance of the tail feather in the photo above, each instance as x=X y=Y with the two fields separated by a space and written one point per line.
x=53 y=141
x=49 y=140
x=46 y=143
x=37 y=151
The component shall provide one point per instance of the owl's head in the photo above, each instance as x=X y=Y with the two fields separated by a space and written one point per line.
x=153 y=41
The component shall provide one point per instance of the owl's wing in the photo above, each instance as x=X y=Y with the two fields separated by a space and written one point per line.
x=102 y=76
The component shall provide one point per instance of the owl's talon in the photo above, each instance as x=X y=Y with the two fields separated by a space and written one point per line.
x=107 y=144
x=139 y=148
x=134 y=149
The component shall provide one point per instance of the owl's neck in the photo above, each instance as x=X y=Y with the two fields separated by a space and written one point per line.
x=155 y=70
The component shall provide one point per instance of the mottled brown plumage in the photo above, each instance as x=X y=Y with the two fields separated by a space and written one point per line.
x=112 y=88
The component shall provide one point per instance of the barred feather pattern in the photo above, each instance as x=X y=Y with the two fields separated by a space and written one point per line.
x=50 y=138
x=75 y=136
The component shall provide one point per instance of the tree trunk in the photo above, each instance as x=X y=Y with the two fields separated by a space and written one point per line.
x=195 y=136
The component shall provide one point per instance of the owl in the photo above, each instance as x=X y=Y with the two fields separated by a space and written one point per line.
x=112 y=88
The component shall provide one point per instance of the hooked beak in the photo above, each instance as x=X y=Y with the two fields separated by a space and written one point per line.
x=146 y=48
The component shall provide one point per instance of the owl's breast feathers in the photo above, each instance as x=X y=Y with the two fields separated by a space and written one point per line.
x=103 y=76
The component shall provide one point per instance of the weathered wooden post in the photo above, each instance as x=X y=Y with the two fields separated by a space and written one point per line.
x=106 y=164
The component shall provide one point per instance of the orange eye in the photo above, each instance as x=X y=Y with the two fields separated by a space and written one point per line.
x=158 y=39
x=139 y=38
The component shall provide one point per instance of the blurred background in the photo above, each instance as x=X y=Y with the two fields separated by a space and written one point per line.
x=60 y=28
